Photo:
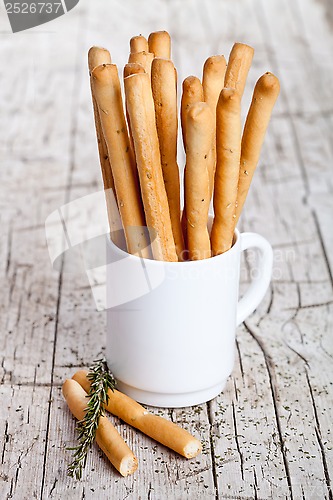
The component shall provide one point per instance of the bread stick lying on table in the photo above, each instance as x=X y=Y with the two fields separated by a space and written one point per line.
x=140 y=107
x=159 y=43
x=144 y=58
x=107 y=92
x=199 y=164
x=238 y=67
x=158 y=428
x=164 y=88
x=138 y=44
x=212 y=83
x=264 y=97
x=228 y=142
x=107 y=436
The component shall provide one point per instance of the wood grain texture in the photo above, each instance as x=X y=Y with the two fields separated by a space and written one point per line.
x=269 y=434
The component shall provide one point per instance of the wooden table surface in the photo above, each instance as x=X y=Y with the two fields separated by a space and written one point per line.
x=268 y=435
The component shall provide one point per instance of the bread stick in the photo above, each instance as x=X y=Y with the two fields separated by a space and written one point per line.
x=98 y=56
x=158 y=428
x=132 y=68
x=192 y=92
x=264 y=97
x=163 y=80
x=107 y=436
x=239 y=64
x=159 y=43
x=144 y=58
x=140 y=106
x=228 y=140
x=138 y=44
x=107 y=92
x=212 y=83
x=200 y=137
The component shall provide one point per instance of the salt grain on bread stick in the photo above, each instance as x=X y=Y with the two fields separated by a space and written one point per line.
x=228 y=141
x=140 y=106
x=212 y=83
x=264 y=97
x=144 y=58
x=138 y=44
x=158 y=428
x=107 y=92
x=239 y=64
x=107 y=437
x=200 y=137
x=164 y=88
x=159 y=43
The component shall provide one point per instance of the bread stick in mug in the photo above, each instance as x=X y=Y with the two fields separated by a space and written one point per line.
x=212 y=83
x=264 y=97
x=144 y=58
x=164 y=88
x=138 y=44
x=107 y=92
x=200 y=138
x=158 y=428
x=107 y=436
x=159 y=43
x=228 y=142
x=238 y=67
x=140 y=106
x=192 y=93
x=97 y=56
x=132 y=69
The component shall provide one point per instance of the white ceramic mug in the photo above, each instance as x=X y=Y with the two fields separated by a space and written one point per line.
x=171 y=325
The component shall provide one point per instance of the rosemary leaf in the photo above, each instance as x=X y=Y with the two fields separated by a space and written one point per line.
x=101 y=380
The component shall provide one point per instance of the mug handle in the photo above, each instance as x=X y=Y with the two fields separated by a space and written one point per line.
x=260 y=282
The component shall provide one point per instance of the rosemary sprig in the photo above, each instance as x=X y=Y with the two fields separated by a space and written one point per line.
x=101 y=380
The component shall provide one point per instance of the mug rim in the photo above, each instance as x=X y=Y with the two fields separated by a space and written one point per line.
x=124 y=254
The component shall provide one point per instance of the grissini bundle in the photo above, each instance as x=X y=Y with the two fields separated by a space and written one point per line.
x=144 y=58
x=238 y=67
x=200 y=137
x=107 y=92
x=192 y=93
x=138 y=44
x=140 y=106
x=107 y=436
x=158 y=428
x=228 y=149
x=159 y=43
x=164 y=88
x=212 y=84
x=264 y=97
